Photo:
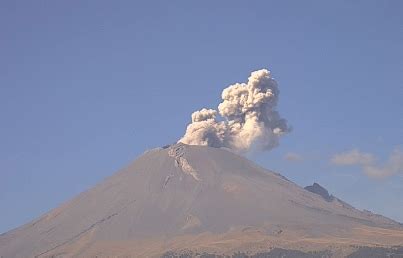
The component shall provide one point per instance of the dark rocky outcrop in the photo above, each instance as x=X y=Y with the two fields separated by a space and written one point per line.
x=320 y=190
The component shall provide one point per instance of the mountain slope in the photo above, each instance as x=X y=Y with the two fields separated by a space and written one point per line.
x=198 y=197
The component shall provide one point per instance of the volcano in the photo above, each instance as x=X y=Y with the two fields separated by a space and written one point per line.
x=198 y=200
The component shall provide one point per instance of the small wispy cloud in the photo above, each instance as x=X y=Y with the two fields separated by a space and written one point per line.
x=293 y=157
x=353 y=157
x=368 y=162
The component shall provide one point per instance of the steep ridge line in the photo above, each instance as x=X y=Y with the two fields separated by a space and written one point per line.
x=177 y=151
x=85 y=230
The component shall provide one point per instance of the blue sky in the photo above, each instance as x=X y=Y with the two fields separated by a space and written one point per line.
x=86 y=87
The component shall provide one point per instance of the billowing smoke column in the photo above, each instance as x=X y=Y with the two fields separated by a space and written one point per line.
x=249 y=119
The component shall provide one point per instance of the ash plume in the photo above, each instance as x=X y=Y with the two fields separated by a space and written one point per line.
x=246 y=118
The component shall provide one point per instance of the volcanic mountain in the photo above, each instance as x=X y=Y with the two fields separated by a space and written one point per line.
x=196 y=199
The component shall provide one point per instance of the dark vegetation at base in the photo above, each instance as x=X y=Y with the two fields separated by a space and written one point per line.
x=275 y=253
x=361 y=252
x=377 y=252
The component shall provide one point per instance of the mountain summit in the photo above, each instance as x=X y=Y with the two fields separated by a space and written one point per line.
x=197 y=198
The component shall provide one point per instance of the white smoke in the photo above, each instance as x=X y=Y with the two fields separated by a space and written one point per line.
x=248 y=117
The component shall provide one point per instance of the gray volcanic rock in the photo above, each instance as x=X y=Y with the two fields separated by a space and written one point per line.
x=185 y=196
x=320 y=190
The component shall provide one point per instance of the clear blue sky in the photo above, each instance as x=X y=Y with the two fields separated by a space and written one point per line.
x=87 y=86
